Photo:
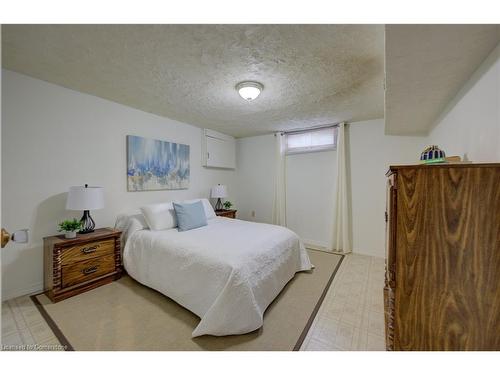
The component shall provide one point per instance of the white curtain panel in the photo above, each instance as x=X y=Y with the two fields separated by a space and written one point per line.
x=341 y=222
x=279 y=201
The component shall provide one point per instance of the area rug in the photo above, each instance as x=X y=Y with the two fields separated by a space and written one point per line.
x=126 y=315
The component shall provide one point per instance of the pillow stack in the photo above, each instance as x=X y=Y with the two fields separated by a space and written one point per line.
x=185 y=215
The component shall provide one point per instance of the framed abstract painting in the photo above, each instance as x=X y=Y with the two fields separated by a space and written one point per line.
x=156 y=165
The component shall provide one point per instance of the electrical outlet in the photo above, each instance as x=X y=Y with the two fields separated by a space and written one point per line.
x=253 y=214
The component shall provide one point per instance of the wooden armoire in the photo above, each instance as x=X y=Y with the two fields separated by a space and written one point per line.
x=442 y=283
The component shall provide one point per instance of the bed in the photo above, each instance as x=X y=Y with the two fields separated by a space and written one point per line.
x=227 y=272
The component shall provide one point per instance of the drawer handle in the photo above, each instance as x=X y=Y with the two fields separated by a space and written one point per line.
x=89 y=270
x=91 y=249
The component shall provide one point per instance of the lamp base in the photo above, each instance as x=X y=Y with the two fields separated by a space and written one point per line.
x=218 y=206
x=88 y=223
x=86 y=231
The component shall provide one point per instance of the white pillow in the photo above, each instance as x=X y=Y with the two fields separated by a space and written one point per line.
x=209 y=210
x=160 y=216
x=129 y=223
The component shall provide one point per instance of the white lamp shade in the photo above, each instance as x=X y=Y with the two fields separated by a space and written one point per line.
x=83 y=198
x=219 y=191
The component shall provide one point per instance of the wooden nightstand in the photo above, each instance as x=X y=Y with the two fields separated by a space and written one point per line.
x=73 y=266
x=226 y=213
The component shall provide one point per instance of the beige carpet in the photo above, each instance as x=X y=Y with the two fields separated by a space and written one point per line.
x=126 y=315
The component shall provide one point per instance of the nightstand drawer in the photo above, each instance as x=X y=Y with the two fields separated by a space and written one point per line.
x=88 y=251
x=80 y=272
x=226 y=213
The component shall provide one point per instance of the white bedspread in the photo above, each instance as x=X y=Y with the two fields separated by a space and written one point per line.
x=227 y=272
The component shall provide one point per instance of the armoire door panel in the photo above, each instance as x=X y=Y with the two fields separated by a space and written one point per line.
x=447 y=259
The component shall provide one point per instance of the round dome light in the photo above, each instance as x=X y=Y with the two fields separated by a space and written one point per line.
x=249 y=90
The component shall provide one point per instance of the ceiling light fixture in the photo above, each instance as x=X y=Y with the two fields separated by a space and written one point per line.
x=249 y=90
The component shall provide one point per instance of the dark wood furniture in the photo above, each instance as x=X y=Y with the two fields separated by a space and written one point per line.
x=442 y=287
x=226 y=213
x=73 y=266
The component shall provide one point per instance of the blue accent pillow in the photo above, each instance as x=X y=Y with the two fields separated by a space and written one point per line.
x=190 y=215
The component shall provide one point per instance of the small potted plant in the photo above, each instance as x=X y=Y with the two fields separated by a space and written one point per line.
x=228 y=205
x=70 y=227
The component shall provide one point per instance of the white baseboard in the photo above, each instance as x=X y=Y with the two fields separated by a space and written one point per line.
x=314 y=245
x=377 y=254
x=29 y=289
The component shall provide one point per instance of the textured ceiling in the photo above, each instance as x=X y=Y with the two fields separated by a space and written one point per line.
x=426 y=65
x=312 y=74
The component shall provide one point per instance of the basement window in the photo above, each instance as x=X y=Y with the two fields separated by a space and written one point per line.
x=311 y=140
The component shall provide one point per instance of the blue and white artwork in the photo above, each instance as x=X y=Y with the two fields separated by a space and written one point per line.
x=156 y=165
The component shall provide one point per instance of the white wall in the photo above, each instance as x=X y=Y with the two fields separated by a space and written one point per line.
x=54 y=138
x=470 y=125
x=370 y=154
x=255 y=170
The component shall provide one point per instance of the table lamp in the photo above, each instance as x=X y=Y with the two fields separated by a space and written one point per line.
x=219 y=191
x=85 y=198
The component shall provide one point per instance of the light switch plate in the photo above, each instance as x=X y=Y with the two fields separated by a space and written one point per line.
x=20 y=236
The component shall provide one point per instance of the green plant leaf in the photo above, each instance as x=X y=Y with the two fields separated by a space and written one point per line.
x=70 y=225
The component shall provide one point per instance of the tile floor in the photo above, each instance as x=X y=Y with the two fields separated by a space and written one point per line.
x=350 y=318
x=23 y=328
x=352 y=314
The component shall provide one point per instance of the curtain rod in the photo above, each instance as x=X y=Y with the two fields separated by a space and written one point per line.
x=310 y=129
